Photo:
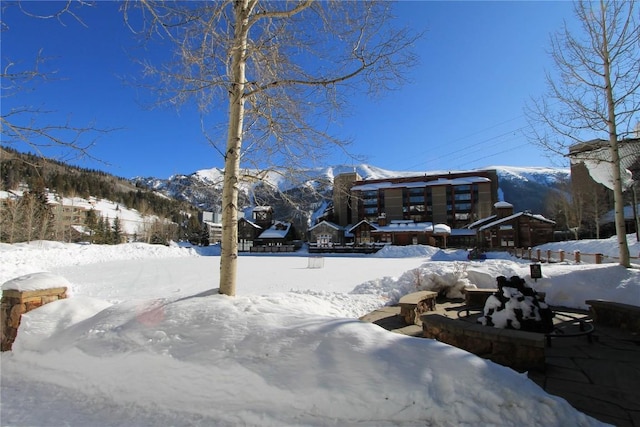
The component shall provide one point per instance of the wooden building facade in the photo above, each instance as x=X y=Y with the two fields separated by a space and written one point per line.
x=507 y=229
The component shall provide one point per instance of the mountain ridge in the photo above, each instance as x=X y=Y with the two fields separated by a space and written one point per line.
x=524 y=187
x=298 y=196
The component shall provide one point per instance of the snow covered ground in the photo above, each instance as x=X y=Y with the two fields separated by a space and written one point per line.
x=144 y=339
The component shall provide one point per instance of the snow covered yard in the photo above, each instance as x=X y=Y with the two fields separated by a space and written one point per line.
x=144 y=339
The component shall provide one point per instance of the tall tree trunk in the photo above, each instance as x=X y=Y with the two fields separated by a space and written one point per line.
x=618 y=199
x=635 y=212
x=229 y=253
x=596 y=203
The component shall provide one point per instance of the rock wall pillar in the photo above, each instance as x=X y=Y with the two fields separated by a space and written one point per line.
x=15 y=303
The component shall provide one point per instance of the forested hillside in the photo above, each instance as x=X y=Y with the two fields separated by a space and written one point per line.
x=36 y=172
x=31 y=183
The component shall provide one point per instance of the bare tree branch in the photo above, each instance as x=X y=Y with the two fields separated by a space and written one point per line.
x=286 y=70
x=594 y=95
x=28 y=124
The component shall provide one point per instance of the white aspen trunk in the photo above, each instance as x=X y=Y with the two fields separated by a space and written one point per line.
x=596 y=203
x=636 y=219
x=229 y=253
x=618 y=200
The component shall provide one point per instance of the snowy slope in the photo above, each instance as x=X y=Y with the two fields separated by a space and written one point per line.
x=131 y=220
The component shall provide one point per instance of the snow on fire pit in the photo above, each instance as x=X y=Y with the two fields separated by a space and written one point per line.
x=517 y=306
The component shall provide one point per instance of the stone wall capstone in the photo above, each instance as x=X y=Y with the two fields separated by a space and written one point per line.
x=22 y=295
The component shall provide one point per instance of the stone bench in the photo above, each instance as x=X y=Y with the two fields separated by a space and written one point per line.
x=516 y=349
x=477 y=297
x=615 y=314
x=413 y=305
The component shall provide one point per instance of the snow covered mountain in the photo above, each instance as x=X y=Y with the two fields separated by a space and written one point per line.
x=525 y=187
x=528 y=188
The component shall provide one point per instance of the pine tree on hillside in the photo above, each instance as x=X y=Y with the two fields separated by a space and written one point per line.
x=194 y=230
x=116 y=231
x=38 y=215
x=103 y=232
x=91 y=222
x=204 y=239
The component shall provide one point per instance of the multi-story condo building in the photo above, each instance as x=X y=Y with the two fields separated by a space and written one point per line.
x=456 y=199
x=459 y=209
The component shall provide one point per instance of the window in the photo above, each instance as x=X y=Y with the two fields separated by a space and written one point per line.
x=324 y=240
x=370 y=202
x=461 y=200
x=415 y=203
x=364 y=236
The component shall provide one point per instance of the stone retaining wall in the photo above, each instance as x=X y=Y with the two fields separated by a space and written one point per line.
x=15 y=303
x=519 y=350
x=609 y=313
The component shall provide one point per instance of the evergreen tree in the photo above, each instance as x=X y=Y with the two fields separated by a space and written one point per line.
x=204 y=235
x=37 y=212
x=116 y=231
x=91 y=222
x=106 y=231
x=103 y=235
x=193 y=230
x=158 y=234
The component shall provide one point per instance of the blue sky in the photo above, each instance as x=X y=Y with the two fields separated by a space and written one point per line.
x=480 y=62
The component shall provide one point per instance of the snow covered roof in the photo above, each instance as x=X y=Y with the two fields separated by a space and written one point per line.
x=404 y=226
x=396 y=226
x=419 y=184
x=609 y=217
x=372 y=224
x=462 y=232
x=329 y=224
x=441 y=229
x=596 y=157
x=278 y=230
x=481 y=221
x=511 y=217
x=502 y=205
x=250 y=222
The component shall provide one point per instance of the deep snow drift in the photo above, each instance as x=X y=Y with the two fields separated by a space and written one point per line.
x=144 y=339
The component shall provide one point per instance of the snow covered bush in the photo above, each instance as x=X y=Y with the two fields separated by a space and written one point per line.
x=517 y=306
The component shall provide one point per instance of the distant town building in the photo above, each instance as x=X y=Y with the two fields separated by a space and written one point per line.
x=262 y=233
x=213 y=222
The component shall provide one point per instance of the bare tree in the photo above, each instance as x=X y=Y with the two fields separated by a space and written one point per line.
x=28 y=124
x=11 y=218
x=285 y=68
x=595 y=91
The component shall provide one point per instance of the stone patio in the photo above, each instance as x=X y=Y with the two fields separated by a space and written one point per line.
x=599 y=378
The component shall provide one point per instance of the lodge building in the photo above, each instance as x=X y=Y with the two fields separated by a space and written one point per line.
x=455 y=209
x=455 y=198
